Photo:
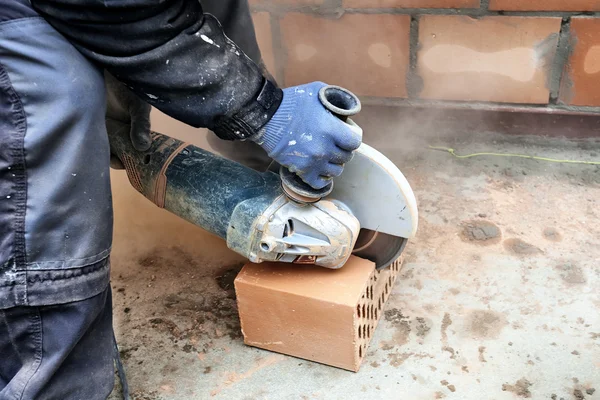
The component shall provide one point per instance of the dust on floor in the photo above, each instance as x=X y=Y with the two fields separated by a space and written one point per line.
x=498 y=298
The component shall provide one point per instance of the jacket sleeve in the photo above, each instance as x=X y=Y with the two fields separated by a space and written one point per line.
x=172 y=55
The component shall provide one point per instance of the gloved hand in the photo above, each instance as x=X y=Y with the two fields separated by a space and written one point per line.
x=124 y=107
x=307 y=138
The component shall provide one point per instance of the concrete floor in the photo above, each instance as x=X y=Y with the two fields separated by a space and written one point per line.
x=498 y=298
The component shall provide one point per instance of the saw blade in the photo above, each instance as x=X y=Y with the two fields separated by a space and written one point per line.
x=378 y=247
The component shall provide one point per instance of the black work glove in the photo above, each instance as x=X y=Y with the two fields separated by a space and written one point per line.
x=123 y=106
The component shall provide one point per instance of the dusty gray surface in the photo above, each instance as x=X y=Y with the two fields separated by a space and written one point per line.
x=498 y=298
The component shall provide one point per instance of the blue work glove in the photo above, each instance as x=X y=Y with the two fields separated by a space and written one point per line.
x=307 y=138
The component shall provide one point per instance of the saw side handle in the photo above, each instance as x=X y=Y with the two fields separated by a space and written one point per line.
x=343 y=104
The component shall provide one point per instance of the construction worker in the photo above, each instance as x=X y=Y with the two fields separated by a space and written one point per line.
x=56 y=334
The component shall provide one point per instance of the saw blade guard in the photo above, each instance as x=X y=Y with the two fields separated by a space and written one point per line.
x=378 y=194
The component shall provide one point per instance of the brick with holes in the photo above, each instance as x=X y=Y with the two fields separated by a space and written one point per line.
x=327 y=316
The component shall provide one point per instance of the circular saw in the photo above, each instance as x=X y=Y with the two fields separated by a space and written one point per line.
x=369 y=211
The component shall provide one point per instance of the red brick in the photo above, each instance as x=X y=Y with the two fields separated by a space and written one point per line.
x=499 y=59
x=366 y=53
x=285 y=2
x=262 y=27
x=581 y=82
x=411 y=3
x=545 y=5
x=328 y=316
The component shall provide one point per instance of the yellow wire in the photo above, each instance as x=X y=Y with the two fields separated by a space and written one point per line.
x=452 y=151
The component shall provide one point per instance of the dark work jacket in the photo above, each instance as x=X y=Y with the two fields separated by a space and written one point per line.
x=174 y=56
x=55 y=198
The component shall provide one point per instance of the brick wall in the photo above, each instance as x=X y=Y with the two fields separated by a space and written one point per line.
x=526 y=54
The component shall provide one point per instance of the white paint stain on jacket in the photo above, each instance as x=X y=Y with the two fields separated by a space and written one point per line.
x=207 y=39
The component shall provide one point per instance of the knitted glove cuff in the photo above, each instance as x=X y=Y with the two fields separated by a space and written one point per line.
x=271 y=134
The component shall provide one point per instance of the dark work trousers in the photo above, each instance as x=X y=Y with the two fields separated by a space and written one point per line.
x=56 y=219
x=62 y=351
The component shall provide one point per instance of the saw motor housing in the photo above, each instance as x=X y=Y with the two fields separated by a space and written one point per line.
x=247 y=208
x=322 y=233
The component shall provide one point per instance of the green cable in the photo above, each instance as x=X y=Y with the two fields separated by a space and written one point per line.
x=451 y=151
